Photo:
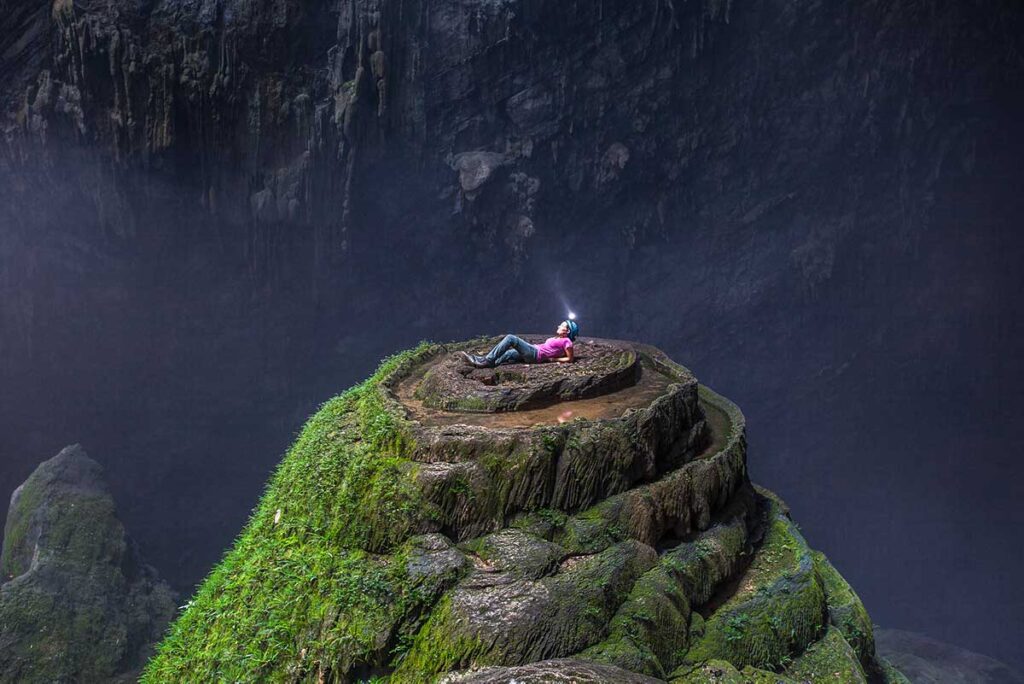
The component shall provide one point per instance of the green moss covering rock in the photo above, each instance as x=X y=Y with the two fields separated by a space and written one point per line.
x=548 y=671
x=724 y=672
x=650 y=631
x=845 y=610
x=328 y=574
x=77 y=604
x=777 y=608
x=491 y=618
x=518 y=553
x=618 y=549
x=830 y=659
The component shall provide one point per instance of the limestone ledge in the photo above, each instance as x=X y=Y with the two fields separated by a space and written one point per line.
x=478 y=477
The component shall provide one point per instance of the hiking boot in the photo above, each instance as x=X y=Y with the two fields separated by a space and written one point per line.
x=476 y=361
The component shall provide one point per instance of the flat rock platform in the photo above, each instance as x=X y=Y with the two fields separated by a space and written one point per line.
x=600 y=367
x=607 y=378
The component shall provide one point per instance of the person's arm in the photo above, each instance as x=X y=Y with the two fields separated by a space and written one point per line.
x=568 y=356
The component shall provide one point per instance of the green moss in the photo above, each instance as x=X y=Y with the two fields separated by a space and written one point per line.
x=703 y=564
x=752 y=675
x=81 y=527
x=589 y=532
x=624 y=653
x=723 y=672
x=86 y=640
x=470 y=404
x=846 y=611
x=301 y=591
x=650 y=632
x=828 y=659
x=889 y=673
x=19 y=521
x=777 y=609
x=552 y=617
x=87 y=532
x=439 y=647
x=649 y=628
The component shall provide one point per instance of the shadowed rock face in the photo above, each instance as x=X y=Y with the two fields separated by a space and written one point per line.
x=929 y=661
x=629 y=547
x=77 y=603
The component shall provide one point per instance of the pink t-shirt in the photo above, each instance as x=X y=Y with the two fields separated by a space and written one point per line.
x=553 y=348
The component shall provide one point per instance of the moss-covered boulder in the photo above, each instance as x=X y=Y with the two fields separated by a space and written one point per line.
x=77 y=603
x=774 y=610
x=611 y=535
x=829 y=658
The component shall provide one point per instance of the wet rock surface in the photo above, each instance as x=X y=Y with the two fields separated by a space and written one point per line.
x=77 y=602
x=478 y=476
x=599 y=367
x=566 y=670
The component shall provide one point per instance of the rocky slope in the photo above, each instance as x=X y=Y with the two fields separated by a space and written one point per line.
x=76 y=604
x=615 y=537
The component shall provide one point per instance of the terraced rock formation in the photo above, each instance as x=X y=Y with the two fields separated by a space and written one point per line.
x=613 y=537
x=454 y=386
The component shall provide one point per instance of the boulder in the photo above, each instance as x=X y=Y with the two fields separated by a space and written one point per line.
x=78 y=604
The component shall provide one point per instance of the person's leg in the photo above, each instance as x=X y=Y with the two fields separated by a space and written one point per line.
x=501 y=348
x=526 y=350
x=510 y=356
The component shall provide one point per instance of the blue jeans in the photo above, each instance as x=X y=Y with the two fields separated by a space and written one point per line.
x=513 y=349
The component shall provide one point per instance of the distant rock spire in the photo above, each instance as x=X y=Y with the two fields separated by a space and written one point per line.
x=77 y=603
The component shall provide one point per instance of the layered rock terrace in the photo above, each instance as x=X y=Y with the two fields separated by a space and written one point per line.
x=590 y=522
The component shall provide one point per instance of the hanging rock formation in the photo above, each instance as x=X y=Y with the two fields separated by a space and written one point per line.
x=610 y=537
x=76 y=604
x=287 y=120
